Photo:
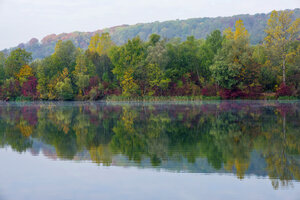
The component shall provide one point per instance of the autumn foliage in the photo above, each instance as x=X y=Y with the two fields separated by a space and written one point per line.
x=223 y=65
x=284 y=90
x=29 y=88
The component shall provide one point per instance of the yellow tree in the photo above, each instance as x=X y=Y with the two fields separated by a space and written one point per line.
x=24 y=73
x=281 y=32
x=240 y=31
x=53 y=83
x=101 y=44
x=128 y=85
x=94 y=43
x=238 y=40
x=229 y=35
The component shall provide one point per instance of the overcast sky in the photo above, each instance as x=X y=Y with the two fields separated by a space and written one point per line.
x=21 y=20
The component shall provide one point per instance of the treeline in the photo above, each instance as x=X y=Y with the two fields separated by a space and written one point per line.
x=198 y=27
x=222 y=66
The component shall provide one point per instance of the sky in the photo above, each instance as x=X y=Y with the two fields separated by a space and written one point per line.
x=21 y=20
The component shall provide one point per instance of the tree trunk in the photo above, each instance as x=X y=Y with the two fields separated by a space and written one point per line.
x=283 y=72
x=284 y=126
x=198 y=75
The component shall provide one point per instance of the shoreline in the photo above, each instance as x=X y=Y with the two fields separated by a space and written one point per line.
x=164 y=100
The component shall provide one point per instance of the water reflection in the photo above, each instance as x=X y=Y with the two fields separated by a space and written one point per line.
x=257 y=138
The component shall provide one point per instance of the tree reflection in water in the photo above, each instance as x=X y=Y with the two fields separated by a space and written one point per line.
x=261 y=138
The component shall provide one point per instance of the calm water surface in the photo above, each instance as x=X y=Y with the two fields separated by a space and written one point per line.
x=205 y=150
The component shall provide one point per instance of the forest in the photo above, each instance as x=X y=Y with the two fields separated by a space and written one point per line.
x=198 y=27
x=223 y=66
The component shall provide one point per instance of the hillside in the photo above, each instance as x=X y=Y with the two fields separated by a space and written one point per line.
x=199 y=27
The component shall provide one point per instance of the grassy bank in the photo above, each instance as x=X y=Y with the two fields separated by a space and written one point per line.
x=120 y=98
x=160 y=98
x=185 y=98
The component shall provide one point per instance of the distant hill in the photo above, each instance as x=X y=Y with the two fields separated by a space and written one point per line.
x=199 y=27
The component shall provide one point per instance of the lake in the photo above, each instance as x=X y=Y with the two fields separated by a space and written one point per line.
x=172 y=150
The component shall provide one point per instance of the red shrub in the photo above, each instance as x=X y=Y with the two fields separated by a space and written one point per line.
x=29 y=87
x=231 y=94
x=94 y=81
x=209 y=90
x=250 y=92
x=176 y=90
x=284 y=90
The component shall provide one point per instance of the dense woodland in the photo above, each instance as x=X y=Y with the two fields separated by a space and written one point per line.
x=224 y=65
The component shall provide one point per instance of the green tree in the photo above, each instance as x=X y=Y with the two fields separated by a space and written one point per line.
x=126 y=59
x=234 y=65
x=45 y=72
x=281 y=33
x=82 y=81
x=128 y=56
x=16 y=59
x=157 y=54
x=11 y=88
x=64 y=89
x=50 y=69
x=183 y=58
x=214 y=41
x=190 y=49
x=2 y=65
x=64 y=56
x=190 y=56
x=148 y=77
x=98 y=51
x=84 y=64
x=208 y=51
x=154 y=39
x=103 y=65
x=225 y=74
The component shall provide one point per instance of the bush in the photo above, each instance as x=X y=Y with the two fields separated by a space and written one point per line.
x=209 y=90
x=270 y=98
x=29 y=87
x=64 y=90
x=284 y=90
x=11 y=89
x=231 y=94
x=211 y=98
x=287 y=98
x=22 y=98
x=160 y=98
x=95 y=94
x=252 y=92
x=267 y=78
